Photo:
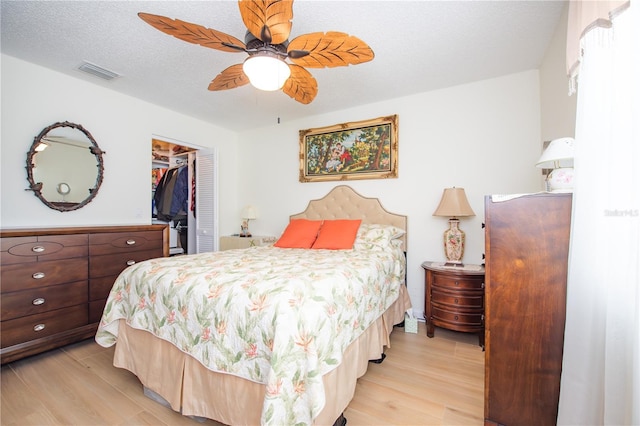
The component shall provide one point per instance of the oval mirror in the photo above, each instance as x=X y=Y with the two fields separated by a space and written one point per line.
x=64 y=166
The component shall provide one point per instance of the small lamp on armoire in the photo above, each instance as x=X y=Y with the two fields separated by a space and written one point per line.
x=248 y=213
x=558 y=156
x=454 y=204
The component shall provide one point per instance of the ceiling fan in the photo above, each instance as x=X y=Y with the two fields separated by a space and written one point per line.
x=267 y=43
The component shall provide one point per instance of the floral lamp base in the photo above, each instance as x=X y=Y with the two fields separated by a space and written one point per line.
x=454 y=244
x=560 y=180
x=244 y=228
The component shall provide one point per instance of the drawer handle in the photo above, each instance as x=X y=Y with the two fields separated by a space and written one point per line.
x=38 y=275
x=38 y=327
x=456 y=318
x=38 y=301
x=37 y=249
x=131 y=262
x=131 y=242
x=455 y=300
x=456 y=282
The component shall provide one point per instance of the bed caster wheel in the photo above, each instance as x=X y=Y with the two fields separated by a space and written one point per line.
x=379 y=360
x=340 y=421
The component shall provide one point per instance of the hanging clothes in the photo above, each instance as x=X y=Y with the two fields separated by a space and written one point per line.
x=180 y=196
x=156 y=177
x=171 y=200
x=164 y=194
x=180 y=205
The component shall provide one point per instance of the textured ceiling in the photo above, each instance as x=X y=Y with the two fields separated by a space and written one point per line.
x=419 y=46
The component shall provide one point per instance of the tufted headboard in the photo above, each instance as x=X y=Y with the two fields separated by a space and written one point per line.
x=342 y=202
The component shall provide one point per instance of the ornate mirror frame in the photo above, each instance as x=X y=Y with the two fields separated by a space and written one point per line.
x=36 y=187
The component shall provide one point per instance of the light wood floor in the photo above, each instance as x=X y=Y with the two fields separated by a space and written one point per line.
x=422 y=381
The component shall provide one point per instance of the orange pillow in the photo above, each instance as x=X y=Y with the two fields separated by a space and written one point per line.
x=300 y=233
x=338 y=234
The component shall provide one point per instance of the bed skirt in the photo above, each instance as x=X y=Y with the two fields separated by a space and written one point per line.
x=192 y=389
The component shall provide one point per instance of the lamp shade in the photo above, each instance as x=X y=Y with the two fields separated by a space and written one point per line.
x=266 y=72
x=249 y=212
x=454 y=203
x=558 y=154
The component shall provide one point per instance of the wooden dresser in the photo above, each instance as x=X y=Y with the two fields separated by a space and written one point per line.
x=55 y=281
x=526 y=247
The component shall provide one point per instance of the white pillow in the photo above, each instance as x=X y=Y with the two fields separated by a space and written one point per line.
x=375 y=236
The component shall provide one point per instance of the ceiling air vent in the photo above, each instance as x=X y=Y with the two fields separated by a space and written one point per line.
x=93 y=69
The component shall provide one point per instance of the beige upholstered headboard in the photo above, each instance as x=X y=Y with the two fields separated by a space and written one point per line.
x=342 y=202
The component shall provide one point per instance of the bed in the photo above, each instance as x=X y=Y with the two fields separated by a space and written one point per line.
x=265 y=335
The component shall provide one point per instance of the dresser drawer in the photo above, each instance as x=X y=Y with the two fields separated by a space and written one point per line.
x=463 y=283
x=118 y=242
x=455 y=318
x=113 y=264
x=24 y=276
x=99 y=288
x=460 y=300
x=32 y=327
x=35 y=301
x=6 y=243
x=43 y=248
x=96 y=308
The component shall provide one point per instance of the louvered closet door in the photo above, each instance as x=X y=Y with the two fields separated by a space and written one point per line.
x=206 y=201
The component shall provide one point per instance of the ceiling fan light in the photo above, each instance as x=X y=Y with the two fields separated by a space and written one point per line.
x=266 y=72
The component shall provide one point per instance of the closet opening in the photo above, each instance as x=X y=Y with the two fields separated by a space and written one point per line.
x=184 y=195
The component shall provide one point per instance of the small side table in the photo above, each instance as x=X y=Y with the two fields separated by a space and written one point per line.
x=236 y=242
x=454 y=298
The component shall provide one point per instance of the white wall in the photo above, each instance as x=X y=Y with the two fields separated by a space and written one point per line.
x=484 y=137
x=558 y=109
x=34 y=97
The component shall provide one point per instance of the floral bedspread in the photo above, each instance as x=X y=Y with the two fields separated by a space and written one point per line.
x=282 y=317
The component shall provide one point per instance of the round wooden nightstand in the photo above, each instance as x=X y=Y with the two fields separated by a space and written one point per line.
x=454 y=298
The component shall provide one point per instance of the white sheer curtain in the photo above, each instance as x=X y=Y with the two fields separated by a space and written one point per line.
x=600 y=382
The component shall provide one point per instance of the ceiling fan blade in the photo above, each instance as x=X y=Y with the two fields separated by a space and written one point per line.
x=275 y=15
x=194 y=33
x=333 y=49
x=234 y=47
x=301 y=85
x=230 y=78
x=295 y=54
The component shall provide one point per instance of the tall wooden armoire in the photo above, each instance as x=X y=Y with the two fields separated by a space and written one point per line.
x=527 y=247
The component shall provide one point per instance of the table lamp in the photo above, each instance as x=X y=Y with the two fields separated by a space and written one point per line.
x=453 y=205
x=559 y=157
x=248 y=213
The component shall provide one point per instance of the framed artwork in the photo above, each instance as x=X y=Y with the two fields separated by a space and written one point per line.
x=358 y=150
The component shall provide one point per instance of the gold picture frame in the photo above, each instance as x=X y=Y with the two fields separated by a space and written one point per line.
x=365 y=149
